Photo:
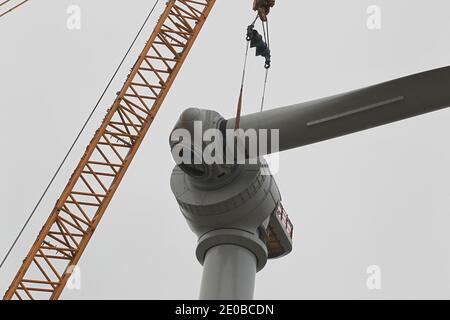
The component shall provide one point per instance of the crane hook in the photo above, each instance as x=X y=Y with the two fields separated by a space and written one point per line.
x=263 y=8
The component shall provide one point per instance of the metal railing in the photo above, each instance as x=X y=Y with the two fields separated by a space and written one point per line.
x=285 y=221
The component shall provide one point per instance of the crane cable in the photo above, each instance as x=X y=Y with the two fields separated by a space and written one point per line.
x=267 y=39
x=4 y=2
x=11 y=9
x=241 y=92
x=264 y=90
x=267 y=67
x=77 y=137
x=239 y=107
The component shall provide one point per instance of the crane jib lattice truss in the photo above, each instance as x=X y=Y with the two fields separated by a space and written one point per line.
x=77 y=213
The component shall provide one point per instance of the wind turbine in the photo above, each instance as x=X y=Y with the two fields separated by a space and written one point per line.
x=235 y=209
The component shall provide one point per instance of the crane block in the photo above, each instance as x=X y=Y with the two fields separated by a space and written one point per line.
x=263 y=8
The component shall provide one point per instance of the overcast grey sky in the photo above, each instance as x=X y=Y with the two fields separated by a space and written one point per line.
x=380 y=197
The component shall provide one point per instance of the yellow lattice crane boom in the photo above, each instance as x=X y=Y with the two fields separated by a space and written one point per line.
x=76 y=215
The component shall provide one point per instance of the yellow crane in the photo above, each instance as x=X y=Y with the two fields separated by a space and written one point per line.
x=78 y=211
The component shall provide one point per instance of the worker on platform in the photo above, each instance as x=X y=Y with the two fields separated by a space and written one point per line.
x=263 y=8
